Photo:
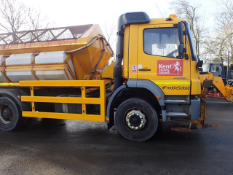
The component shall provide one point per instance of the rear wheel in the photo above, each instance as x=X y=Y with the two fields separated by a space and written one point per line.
x=10 y=115
x=136 y=119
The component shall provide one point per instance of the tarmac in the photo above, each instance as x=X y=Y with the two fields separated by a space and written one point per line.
x=78 y=147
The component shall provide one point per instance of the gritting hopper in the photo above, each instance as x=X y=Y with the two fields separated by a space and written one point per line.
x=66 y=53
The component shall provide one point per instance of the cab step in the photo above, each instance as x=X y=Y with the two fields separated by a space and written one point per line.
x=169 y=101
x=177 y=114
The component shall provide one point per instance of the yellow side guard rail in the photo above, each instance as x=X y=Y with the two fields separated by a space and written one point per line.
x=83 y=100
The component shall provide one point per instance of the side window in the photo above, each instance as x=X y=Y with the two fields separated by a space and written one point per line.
x=216 y=68
x=161 y=42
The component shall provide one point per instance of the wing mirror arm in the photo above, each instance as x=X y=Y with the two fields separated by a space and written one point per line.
x=181 y=40
x=181 y=48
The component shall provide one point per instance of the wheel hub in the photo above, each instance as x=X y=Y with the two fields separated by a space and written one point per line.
x=135 y=120
x=5 y=115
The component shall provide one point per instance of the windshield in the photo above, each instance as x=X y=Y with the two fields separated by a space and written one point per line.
x=161 y=42
x=192 y=45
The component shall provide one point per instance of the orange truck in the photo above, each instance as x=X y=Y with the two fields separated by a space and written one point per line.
x=62 y=73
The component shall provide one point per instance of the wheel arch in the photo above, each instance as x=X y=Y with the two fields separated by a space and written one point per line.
x=13 y=95
x=139 y=84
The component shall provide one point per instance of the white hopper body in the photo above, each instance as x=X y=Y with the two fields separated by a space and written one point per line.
x=50 y=58
x=20 y=59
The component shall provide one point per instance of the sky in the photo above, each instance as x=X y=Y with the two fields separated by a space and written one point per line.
x=61 y=13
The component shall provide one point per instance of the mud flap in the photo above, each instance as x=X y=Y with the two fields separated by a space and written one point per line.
x=202 y=114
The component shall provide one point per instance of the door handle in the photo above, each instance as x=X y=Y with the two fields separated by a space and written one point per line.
x=144 y=69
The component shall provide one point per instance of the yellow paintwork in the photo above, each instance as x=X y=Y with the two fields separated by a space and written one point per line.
x=71 y=100
x=62 y=83
x=172 y=82
x=180 y=87
x=194 y=74
x=32 y=102
x=108 y=72
x=226 y=91
x=84 y=60
x=133 y=55
x=125 y=68
x=136 y=56
x=208 y=76
x=49 y=99
x=195 y=87
x=54 y=115
x=9 y=84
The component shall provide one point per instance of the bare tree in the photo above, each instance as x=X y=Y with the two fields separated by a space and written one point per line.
x=191 y=13
x=110 y=29
x=16 y=16
x=221 y=41
x=224 y=25
x=12 y=16
x=35 y=20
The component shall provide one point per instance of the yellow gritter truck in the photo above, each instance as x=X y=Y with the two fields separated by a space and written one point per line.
x=61 y=73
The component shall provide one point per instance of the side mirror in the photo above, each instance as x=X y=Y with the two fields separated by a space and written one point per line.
x=180 y=32
x=181 y=51
x=199 y=63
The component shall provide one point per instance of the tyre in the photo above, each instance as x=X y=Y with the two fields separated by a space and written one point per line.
x=10 y=115
x=136 y=119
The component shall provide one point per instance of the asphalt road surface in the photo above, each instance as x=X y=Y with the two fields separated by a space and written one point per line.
x=77 y=147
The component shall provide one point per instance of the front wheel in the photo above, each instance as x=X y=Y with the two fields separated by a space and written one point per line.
x=136 y=119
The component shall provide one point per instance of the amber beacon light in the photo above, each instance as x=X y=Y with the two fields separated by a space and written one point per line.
x=172 y=16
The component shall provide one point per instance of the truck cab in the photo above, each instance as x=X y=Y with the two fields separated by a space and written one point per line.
x=160 y=70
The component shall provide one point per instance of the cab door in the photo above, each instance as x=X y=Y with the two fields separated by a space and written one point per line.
x=158 y=59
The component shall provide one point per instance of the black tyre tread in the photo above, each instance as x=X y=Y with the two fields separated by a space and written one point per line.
x=17 y=119
x=152 y=120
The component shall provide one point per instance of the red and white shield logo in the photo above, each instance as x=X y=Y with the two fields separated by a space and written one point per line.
x=170 y=68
